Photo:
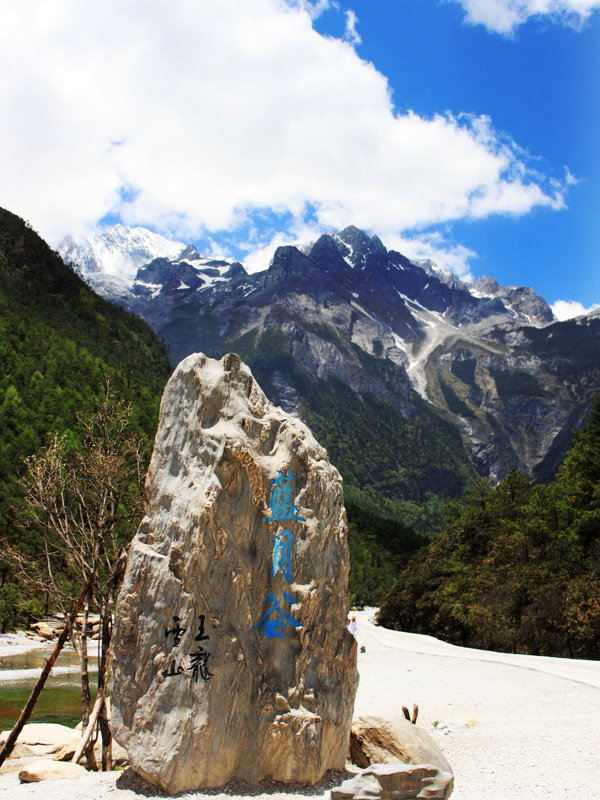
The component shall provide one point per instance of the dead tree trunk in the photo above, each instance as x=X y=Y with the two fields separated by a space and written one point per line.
x=85 y=683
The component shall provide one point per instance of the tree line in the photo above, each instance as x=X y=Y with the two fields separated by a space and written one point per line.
x=515 y=567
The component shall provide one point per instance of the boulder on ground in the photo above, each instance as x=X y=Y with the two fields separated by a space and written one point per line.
x=44 y=769
x=232 y=659
x=42 y=733
x=396 y=782
x=379 y=741
x=21 y=750
x=43 y=630
x=12 y=765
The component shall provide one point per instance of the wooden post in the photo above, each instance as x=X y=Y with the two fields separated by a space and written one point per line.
x=90 y=727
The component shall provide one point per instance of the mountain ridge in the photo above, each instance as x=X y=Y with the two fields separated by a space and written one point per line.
x=344 y=308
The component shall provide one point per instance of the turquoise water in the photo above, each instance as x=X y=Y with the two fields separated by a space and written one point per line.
x=60 y=700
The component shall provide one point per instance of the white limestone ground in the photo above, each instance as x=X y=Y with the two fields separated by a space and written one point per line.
x=527 y=732
x=13 y=644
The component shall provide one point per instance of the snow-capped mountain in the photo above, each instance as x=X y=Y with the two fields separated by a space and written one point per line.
x=118 y=250
x=485 y=359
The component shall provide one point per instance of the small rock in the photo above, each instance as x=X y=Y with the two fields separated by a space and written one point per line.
x=67 y=751
x=21 y=750
x=44 y=770
x=12 y=765
x=396 y=782
x=43 y=630
x=379 y=741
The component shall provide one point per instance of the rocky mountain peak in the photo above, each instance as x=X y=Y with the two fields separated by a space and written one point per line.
x=521 y=302
x=359 y=245
x=331 y=255
x=189 y=253
x=487 y=285
x=346 y=309
x=289 y=260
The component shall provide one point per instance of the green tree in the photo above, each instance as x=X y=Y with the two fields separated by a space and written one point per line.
x=85 y=501
x=515 y=567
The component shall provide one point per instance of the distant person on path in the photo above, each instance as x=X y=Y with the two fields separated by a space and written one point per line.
x=353 y=627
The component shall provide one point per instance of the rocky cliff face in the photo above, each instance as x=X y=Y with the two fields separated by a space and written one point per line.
x=346 y=312
x=232 y=658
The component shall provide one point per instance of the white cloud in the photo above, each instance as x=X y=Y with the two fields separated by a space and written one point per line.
x=194 y=118
x=567 y=309
x=314 y=8
x=351 y=33
x=504 y=16
x=447 y=255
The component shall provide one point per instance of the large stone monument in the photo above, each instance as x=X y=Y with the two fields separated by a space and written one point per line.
x=232 y=657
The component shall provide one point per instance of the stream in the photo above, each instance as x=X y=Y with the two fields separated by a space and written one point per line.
x=60 y=700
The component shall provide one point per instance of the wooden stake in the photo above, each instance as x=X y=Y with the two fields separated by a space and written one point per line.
x=90 y=727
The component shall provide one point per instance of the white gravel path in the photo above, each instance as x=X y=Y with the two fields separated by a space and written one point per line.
x=524 y=730
x=509 y=732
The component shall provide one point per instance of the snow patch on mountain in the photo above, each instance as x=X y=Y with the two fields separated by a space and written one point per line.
x=118 y=250
x=441 y=273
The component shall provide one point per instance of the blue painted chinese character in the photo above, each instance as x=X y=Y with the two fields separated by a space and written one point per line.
x=282 y=498
x=282 y=554
x=274 y=627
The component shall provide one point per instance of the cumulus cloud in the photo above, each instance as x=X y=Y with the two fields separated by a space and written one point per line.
x=504 y=16
x=567 y=309
x=199 y=118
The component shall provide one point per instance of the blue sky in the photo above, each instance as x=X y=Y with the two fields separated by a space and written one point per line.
x=462 y=130
x=541 y=86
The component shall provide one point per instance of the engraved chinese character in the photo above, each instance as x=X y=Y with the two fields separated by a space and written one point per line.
x=201 y=637
x=172 y=671
x=199 y=665
x=176 y=632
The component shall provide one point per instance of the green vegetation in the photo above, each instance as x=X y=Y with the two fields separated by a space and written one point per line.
x=392 y=460
x=379 y=549
x=60 y=344
x=516 y=567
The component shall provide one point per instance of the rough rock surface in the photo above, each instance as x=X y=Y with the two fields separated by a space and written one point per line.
x=396 y=782
x=44 y=769
x=231 y=655
x=379 y=741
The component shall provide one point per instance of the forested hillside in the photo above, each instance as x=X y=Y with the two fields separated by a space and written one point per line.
x=516 y=567
x=60 y=344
